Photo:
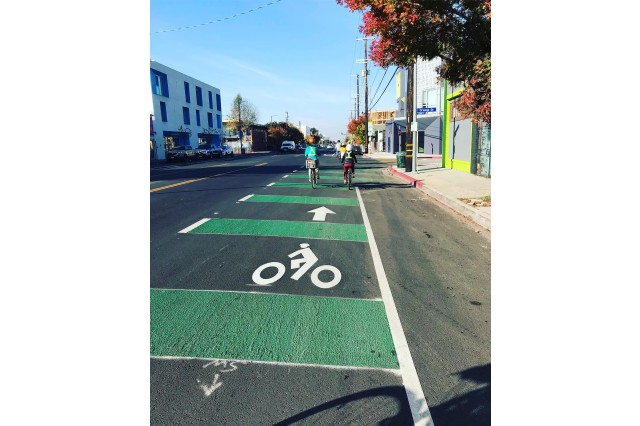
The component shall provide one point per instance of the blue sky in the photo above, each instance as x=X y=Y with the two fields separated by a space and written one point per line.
x=295 y=56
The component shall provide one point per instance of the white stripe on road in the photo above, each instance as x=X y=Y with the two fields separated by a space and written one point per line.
x=246 y=198
x=278 y=363
x=272 y=183
x=285 y=176
x=419 y=409
x=195 y=225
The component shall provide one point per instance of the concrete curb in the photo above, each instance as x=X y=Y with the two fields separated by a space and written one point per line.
x=453 y=203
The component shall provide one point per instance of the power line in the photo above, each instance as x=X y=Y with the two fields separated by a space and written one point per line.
x=381 y=80
x=217 y=20
x=385 y=89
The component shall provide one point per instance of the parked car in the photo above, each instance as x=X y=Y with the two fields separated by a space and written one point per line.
x=357 y=149
x=216 y=151
x=205 y=151
x=181 y=153
x=227 y=151
x=287 y=146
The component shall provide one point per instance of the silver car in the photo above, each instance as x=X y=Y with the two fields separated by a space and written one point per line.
x=227 y=151
x=181 y=153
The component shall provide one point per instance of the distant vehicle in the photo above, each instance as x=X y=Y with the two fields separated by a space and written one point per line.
x=299 y=147
x=215 y=151
x=330 y=146
x=206 y=150
x=287 y=146
x=181 y=153
x=357 y=149
x=227 y=151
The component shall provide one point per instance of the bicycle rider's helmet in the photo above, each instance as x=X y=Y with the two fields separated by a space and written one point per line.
x=343 y=144
x=349 y=147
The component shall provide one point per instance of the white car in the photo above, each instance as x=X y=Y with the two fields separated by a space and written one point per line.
x=288 y=146
x=227 y=151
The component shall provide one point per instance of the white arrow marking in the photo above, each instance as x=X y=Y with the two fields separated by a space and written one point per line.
x=320 y=214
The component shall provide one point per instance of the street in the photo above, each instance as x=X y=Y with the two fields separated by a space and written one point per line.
x=276 y=303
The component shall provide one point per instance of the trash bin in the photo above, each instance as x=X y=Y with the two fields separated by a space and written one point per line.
x=400 y=159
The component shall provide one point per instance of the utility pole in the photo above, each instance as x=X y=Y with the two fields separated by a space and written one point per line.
x=286 y=112
x=415 y=103
x=357 y=96
x=408 y=164
x=240 y=134
x=366 y=97
x=366 y=102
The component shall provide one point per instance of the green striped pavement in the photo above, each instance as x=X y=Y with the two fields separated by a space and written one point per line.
x=303 y=200
x=284 y=228
x=268 y=327
x=323 y=173
x=308 y=185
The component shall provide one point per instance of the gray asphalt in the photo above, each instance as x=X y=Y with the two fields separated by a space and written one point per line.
x=438 y=266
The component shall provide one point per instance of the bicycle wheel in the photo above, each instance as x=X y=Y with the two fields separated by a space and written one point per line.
x=314 y=179
x=349 y=178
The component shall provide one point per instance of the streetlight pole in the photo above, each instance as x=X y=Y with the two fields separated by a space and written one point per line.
x=271 y=120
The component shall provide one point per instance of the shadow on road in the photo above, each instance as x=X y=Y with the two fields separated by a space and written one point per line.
x=472 y=408
x=402 y=417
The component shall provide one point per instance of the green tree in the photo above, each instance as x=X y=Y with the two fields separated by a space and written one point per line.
x=278 y=132
x=242 y=115
x=459 y=32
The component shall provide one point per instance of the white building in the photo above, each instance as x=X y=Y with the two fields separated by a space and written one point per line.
x=184 y=111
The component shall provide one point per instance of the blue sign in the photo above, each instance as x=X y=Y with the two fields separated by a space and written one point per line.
x=425 y=110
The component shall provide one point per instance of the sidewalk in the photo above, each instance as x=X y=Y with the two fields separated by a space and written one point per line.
x=448 y=186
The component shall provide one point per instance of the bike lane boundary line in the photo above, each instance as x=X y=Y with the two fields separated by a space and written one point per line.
x=417 y=401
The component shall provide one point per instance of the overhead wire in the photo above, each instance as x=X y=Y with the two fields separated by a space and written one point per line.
x=217 y=20
x=385 y=89
x=380 y=84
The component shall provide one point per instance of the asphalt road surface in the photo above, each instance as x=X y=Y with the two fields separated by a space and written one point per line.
x=276 y=303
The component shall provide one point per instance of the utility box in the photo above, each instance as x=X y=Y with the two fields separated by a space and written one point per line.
x=401 y=158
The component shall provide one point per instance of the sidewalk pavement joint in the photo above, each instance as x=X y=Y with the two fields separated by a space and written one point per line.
x=447 y=186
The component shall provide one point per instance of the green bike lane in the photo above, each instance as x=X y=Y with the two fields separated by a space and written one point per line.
x=229 y=325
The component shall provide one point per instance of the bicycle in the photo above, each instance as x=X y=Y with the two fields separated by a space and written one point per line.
x=349 y=177
x=313 y=172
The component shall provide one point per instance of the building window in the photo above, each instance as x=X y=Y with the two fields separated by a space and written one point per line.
x=210 y=99
x=219 y=120
x=185 y=115
x=210 y=119
x=163 y=111
x=198 y=96
x=432 y=98
x=187 y=96
x=197 y=117
x=218 y=102
x=159 y=84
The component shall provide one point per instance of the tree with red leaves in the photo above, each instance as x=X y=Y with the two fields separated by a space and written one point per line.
x=356 y=128
x=457 y=31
